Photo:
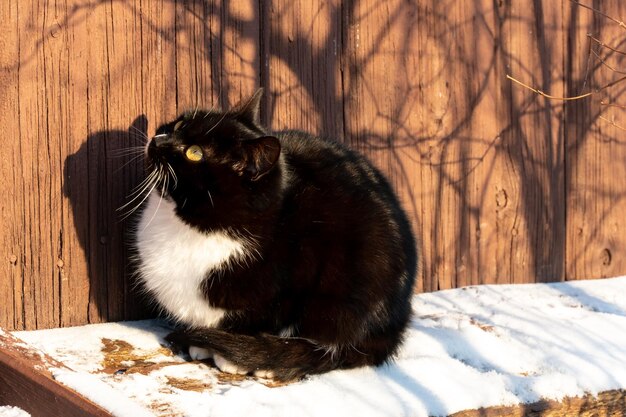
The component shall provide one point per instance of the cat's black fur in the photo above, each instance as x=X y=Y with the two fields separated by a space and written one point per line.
x=336 y=259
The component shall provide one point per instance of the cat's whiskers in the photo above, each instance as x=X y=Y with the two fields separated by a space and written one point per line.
x=145 y=181
x=210 y=198
x=155 y=183
x=207 y=113
x=133 y=159
x=143 y=185
x=138 y=193
x=169 y=167
x=149 y=183
x=141 y=134
x=163 y=188
x=132 y=150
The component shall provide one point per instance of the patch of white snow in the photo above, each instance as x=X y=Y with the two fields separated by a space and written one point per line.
x=10 y=411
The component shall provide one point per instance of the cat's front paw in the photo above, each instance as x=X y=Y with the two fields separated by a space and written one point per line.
x=227 y=366
x=264 y=373
x=199 y=354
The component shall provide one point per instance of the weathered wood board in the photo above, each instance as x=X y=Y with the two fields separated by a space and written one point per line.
x=26 y=382
x=605 y=404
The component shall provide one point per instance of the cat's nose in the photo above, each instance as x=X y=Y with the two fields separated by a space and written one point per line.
x=162 y=139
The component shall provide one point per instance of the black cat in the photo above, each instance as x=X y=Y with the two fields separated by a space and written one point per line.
x=281 y=253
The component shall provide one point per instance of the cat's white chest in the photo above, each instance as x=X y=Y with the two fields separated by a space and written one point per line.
x=175 y=259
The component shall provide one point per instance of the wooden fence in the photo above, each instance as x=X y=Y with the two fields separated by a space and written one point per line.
x=502 y=184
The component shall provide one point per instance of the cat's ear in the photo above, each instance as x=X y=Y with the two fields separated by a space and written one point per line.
x=248 y=110
x=258 y=156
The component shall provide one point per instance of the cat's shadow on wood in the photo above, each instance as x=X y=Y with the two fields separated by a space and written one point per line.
x=98 y=178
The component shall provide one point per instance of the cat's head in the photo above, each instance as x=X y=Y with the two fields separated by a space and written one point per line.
x=212 y=157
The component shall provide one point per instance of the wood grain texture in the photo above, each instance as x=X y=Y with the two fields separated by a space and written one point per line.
x=303 y=67
x=11 y=217
x=25 y=382
x=502 y=185
x=596 y=149
x=535 y=146
x=605 y=404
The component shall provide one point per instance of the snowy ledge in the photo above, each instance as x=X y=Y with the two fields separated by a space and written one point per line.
x=475 y=351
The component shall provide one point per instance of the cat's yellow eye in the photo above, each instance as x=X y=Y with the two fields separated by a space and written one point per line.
x=194 y=153
x=178 y=125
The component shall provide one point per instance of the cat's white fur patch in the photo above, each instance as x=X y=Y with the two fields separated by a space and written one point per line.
x=176 y=258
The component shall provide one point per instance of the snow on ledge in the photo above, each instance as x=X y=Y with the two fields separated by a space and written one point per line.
x=9 y=411
x=466 y=348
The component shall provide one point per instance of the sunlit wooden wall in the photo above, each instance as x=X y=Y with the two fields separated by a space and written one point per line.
x=502 y=184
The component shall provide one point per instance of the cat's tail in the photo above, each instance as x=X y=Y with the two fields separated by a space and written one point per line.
x=287 y=358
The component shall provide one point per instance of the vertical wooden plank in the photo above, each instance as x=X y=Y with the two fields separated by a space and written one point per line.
x=27 y=108
x=596 y=195
x=73 y=272
x=439 y=204
x=100 y=89
x=11 y=220
x=75 y=281
x=159 y=83
x=238 y=39
x=536 y=145
x=504 y=254
x=54 y=121
x=193 y=52
x=303 y=56
x=462 y=157
x=471 y=166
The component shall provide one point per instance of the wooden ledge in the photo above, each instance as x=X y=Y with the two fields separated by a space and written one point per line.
x=26 y=382
x=606 y=404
